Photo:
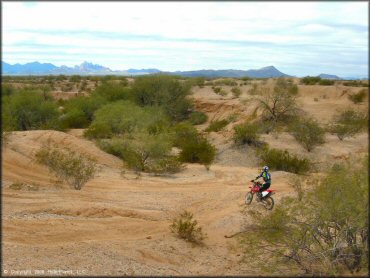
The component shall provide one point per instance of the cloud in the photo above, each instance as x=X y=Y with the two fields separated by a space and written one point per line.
x=190 y=35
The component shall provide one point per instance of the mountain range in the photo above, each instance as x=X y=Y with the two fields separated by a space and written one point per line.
x=87 y=68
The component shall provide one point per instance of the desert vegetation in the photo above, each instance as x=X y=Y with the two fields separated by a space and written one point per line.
x=320 y=235
x=358 y=97
x=187 y=228
x=307 y=132
x=71 y=167
x=348 y=123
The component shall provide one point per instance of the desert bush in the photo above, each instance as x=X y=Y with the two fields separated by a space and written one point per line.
x=280 y=103
x=198 y=150
x=61 y=77
x=326 y=82
x=226 y=82
x=27 y=110
x=216 y=126
x=348 y=123
x=316 y=99
x=164 y=91
x=71 y=167
x=112 y=91
x=143 y=152
x=197 y=118
x=246 y=133
x=74 y=118
x=307 y=132
x=284 y=161
x=121 y=117
x=75 y=78
x=236 y=91
x=183 y=132
x=283 y=86
x=185 y=227
x=358 y=97
x=81 y=109
x=219 y=91
x=7 y=89
x=355 y=83
x=197 y=81
x=325 y=235
x=166 y=165
x=310 y=80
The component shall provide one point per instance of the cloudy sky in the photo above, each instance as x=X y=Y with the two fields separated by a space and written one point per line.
x=299 y=38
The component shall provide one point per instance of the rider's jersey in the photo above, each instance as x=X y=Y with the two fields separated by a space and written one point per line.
x=266 y=176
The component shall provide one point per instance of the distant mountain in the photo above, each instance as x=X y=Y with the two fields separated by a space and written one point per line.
x=86 y=68
x=328 y=76
x=265 y=72
x=29 y=68
x=143 y=71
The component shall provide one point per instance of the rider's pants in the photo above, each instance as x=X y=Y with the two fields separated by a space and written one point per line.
x=265 y=186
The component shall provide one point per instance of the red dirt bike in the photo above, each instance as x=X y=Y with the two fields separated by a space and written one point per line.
x=266 y=199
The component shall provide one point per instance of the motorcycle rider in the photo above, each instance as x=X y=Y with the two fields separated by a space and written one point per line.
x=266 y=178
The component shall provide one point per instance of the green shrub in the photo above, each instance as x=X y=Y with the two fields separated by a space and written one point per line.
x=348 y=123
x=358 y=97
x=310 y=80
x=355 y=83
x=7 y=89
x=198 y=150
x=73 y=168
x=187 y=228
x=28 y=110
x=83 y=105
x=326 y=82
x=284 y=161
x=75 y=78
x=216 y=126
x=74 y=118
x=121 y=117
x=246 y=133
x=226 y=82
x=166 y=165
x=143 y=152
x=164 y=91
x=280 y=103
x=219 y=91
x=236 y=91
x=283 y=86
x=184 y=132
x=112 y=91
x=197 y=118
x=196 y=81
x=307 y=132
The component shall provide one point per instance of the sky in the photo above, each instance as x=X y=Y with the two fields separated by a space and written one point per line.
x=298 y=38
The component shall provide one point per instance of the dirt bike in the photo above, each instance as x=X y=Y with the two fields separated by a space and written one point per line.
x=265 y=198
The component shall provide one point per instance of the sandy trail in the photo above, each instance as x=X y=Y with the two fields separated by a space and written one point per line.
x=118 y=219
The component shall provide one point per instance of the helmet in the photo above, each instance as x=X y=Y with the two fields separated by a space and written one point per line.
x=265 y=168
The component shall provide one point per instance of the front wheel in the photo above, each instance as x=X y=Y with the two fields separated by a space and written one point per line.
x=268 y=203
x=248 y=198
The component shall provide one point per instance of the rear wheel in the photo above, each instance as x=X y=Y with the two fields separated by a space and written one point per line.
x=248 y=198
x=268 y=203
